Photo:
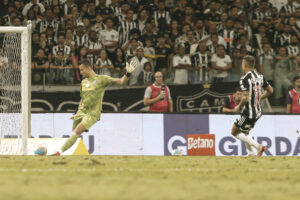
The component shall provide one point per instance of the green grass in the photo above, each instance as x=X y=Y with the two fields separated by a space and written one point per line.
x=138 y=177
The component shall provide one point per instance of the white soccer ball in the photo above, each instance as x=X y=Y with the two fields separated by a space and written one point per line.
x=41 y=151
x=176 y=152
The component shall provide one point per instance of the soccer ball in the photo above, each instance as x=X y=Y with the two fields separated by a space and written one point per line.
x=41 y=151
x=176 y=152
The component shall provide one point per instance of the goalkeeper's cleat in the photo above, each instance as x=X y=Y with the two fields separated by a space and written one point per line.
x=261 y=150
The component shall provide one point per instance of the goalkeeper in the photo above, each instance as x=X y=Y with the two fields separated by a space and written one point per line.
x=92 y=90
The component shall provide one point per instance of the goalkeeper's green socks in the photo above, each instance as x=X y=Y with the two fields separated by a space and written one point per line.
x=69 y=142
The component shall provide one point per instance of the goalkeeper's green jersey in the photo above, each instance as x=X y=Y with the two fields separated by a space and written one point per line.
x=92 y=90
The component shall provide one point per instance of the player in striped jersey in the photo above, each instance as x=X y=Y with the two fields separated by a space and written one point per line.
x=254 y=88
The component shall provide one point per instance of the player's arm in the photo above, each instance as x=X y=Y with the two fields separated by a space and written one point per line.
x=121 y=81
x=130 y=67
x=267 y=92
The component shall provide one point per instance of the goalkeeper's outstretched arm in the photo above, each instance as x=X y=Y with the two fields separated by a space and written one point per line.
x=130 y=67
x=121 y=81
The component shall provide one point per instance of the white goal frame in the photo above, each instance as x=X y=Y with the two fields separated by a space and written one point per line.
x=26 y=79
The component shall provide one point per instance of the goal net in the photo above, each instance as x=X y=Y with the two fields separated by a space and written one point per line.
x=15 y=81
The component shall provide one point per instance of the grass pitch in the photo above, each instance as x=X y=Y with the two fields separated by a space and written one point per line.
x=138 y=177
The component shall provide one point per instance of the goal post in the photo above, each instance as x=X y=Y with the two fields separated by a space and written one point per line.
x=15 y=85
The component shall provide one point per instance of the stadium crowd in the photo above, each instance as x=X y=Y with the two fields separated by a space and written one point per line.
x=189 y=41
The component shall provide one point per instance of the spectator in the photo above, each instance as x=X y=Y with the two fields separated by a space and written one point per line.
x=163 y=54
x=31 y=4
x=221 y=63
x=149 y=52
x=119 y=62
x=181 y=64
x=293 y=98
x=93 y=47
x=191 y=44
x=40 y=67
x=266 y=62
x=212 y=15
x=61 y=46
x=158 y=96
x=199 y=30
x=201 y=62
x=125 y=27
x=103 y=65
x=99 y=25
x=91 y=14
x=162 y=16
x=61 y=69
x=284 y=39
x=146 y=76
x=132 y=48
x=228 y=33
x=67 y=6
x=143 y=16
x=81 y=37
x=33 y=18
x=282 y=75
x=232 y=100
x=109 y=37
x=35 y=43
x=148 y=32
x=140 y=60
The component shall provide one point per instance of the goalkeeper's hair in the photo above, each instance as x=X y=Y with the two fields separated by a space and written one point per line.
x=86 y=63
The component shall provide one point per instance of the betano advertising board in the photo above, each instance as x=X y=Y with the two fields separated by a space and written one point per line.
x=160 y=134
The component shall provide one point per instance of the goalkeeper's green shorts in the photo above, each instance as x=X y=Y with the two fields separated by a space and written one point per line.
x=86 y=120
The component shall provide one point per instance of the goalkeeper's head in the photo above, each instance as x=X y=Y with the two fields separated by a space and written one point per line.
x=86 y=69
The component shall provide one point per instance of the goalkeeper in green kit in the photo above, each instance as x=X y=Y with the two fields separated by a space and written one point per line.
x=92 y=90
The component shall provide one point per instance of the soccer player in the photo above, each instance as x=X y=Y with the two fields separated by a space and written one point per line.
x=254 y=88
x=293 y=98
x=92 y=91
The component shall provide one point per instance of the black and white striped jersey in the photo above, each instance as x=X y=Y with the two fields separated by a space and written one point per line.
x=81 y=40
x=65 y=48
x=255 y=83
x=292 y=50
x=290 y=9
x=159 y=16
x=124 y=30
x=204 y=62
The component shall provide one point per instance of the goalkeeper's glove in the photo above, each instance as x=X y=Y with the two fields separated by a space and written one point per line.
x=130 y=67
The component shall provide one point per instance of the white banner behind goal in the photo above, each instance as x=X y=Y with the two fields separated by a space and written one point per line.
x=15 y=82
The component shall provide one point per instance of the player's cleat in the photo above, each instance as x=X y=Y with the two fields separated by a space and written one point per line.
x=250 y=155
x=261 y=150
x=57 y=153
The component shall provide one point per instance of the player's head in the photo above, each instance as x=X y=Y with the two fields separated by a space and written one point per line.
x=237 y=94
x=248 y=63
x=85 y=68
x=158 y=78
x=297 y=82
